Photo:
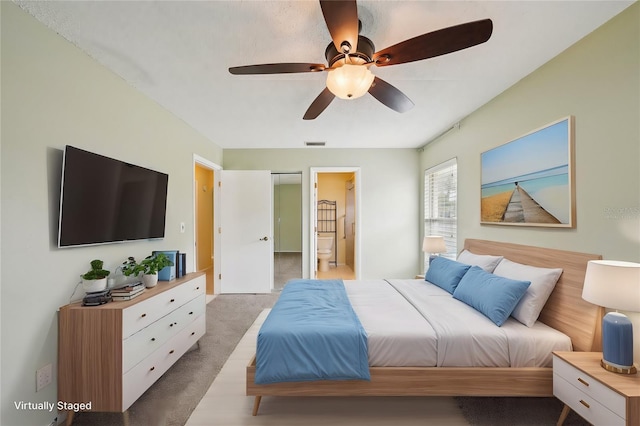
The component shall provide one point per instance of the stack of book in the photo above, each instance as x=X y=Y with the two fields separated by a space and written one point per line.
x=130 y=291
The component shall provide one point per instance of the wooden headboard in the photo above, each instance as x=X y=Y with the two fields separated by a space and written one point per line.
x=565 y=310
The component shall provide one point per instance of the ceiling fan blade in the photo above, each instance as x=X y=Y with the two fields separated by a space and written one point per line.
x=341 y=17
x=390 y=95
x=436 y=43
x=283 y=68
x=319 y=104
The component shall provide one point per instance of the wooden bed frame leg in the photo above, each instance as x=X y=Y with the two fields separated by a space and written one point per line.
x=256 y=405
x=563 y=416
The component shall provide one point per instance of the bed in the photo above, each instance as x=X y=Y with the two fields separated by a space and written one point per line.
x=564 y=311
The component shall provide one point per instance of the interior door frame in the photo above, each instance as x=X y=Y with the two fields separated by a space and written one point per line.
x=203 y=162
x=313 y=197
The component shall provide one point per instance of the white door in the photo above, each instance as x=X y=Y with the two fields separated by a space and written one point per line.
x=246 y=222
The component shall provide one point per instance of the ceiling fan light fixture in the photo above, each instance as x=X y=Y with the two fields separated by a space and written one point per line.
x=349 y=81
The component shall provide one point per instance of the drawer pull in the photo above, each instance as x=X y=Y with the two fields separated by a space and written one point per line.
x=585 y=404
x=171 y=325
x=152 y=368
x=172 y=300
x=198 y=288
x=143 y=315
x=171 y=351
x=191 y=313
x=193 y=332
x=584 y=382
x=153 y=339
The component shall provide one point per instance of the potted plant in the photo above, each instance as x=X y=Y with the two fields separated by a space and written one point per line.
x=150 y=266
x=96 y=278
x=130 y=267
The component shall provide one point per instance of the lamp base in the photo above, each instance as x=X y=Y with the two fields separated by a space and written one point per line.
x=617 y=344
x=618 y=369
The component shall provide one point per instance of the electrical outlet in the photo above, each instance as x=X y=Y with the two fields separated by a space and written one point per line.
x=44 y=376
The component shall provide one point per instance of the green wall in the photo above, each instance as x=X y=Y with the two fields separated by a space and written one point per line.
x=287 y=218
x=389 y=195
x=53 y=95
x=598 y=82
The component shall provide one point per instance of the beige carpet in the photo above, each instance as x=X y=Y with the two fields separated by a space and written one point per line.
x=171 y=400
x=286 y=266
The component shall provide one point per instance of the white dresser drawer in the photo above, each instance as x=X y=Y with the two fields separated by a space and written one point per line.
x=137 y=380
x=197 y=286
x=139 y=345
x=194 y=331
x=590 y=387
x=585 y=405
x=144 y=313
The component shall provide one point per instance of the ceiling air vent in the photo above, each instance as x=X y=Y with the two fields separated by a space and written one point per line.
x=315 y=143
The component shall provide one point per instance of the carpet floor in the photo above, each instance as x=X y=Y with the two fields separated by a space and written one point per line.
x=172 y=399
x=490 y=411
x=286 y=266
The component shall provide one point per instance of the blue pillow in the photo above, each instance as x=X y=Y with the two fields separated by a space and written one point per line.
x=494 y=296
x=446 y=273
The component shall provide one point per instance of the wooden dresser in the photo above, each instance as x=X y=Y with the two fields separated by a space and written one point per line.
x=111 y=354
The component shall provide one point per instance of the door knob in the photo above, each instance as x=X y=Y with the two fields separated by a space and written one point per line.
x=264 y=239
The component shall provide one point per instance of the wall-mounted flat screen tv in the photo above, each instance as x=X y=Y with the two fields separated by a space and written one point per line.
x=104 y=200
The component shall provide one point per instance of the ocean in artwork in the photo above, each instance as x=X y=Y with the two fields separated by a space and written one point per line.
x=538 y=164
x=549 y=188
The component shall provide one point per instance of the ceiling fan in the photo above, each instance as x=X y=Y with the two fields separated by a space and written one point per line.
x=350 y=56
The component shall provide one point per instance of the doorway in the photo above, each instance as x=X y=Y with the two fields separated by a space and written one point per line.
x=335 y=222
x=206 y=246
x=287 y=228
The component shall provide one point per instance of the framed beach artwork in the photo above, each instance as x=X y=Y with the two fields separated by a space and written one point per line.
x=530 y=180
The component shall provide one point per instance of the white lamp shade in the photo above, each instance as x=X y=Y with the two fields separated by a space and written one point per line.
x=349 y=81
x=434 y=244
x=613 y=284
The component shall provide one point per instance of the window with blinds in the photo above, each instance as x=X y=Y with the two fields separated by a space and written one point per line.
x=440 y=205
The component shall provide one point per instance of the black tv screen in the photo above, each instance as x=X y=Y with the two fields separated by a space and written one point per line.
x=105 y=200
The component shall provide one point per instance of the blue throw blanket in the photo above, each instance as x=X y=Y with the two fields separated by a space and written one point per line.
x=312 y=333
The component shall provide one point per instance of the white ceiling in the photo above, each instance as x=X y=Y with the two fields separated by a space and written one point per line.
x=178 y=54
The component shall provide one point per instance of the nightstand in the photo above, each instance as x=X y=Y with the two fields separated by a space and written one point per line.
x=597 y=395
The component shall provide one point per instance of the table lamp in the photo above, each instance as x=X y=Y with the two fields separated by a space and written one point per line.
x=614 y=285
x=433 y=244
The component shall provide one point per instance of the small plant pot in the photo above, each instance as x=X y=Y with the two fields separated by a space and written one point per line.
x=150 y=280
x=93 y=286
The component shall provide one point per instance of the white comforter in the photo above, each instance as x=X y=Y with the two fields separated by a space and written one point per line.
x=415 y=323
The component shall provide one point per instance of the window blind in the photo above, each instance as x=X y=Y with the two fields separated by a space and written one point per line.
x=440 y=205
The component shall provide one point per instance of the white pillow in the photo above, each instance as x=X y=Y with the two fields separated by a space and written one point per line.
x=485 y=261
x=543 y=281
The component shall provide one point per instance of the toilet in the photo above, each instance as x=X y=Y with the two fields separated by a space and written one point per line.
x=325 y=251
